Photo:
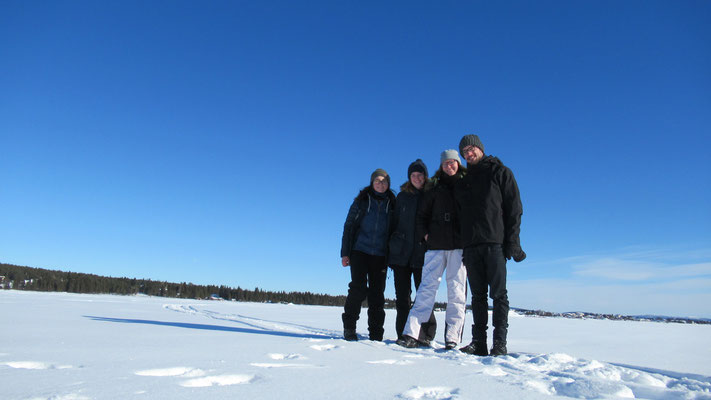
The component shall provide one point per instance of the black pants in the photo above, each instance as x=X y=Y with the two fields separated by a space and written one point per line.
x=486 y=269
x=403 y=302
x=368 y=274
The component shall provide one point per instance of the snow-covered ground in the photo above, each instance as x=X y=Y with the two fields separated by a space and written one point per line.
x=68 y=346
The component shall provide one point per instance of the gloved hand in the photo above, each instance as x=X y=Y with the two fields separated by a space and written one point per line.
x=515 y=252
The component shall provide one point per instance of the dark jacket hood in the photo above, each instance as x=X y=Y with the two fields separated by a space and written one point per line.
x=363 y=194
x=439 y=175
x=486 y=160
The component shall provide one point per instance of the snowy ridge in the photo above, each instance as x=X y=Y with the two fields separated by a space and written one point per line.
x=113 y=347
x=562 y=374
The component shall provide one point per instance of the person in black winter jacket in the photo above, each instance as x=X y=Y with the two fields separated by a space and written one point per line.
x=364 y=247
x=490 y=218
x=437 y=224
x=407 y=255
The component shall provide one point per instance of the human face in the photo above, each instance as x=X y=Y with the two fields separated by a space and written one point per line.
x=450 y=167
x=380 y=184
x=417 y=179
x=472 y=154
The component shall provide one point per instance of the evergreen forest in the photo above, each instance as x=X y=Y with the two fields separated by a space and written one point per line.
x=45 y=280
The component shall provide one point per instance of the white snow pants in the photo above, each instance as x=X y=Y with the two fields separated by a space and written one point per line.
x=437 y=262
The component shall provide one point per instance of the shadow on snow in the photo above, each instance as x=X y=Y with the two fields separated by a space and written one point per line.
x=212 y=327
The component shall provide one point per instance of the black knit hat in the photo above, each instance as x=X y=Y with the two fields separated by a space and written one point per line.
x=470 y=140
x=417 y=166
x=379 y=172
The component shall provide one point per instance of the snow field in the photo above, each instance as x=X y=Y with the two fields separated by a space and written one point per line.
x=66 y=346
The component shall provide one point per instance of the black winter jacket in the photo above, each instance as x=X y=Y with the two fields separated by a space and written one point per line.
x=489 y=205
x=404 y=249
x=437 y=215
x=356 y=212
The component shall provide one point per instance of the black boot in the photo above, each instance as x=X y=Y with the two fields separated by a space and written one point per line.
x=428 y=330
x=408 y=342
x=476 y=347
x=350 y=335
x=499 y=348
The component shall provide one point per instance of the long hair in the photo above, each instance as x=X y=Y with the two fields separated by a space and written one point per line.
x=409 y=187
x=461 y=171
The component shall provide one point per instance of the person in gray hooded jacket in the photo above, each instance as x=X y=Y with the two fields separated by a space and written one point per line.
x=364 y=247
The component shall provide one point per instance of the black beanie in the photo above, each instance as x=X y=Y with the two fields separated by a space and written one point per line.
x=417 y=166
x=470 y=140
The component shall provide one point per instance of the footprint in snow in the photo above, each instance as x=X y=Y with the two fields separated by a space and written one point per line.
x=219 y=380
x=540 y=387
x=433 y=393
x=175 y=371
x=292 y=356
x=34 y=365
x=391 y=362
x=68 y=396
x=198 y=378
x=324 y=347
x=278 y=357
x=494 y=371
x=275 y=365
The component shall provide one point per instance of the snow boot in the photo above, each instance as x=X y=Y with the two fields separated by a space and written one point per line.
x=350 y=335
x=476 y=347
x=499 y=349
x=376 y=334
x=450 y=345
x=408 y=342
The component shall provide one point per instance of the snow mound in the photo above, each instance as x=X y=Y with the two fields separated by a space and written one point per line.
x=430 y=393
x=221 y=380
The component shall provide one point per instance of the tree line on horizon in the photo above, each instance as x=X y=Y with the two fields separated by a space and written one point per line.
x=45 y=280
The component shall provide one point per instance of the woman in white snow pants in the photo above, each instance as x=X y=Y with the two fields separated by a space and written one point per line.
x=437 y=223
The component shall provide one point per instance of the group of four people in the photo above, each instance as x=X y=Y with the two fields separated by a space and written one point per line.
x=463 y=221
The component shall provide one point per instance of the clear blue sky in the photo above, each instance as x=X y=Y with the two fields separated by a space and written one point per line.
x=222 y=143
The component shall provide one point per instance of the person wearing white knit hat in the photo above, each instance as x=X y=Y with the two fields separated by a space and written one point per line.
x=437 y=224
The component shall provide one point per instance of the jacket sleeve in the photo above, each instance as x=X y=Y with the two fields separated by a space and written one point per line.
x=395 y=220
x=424 y=214
x=512 y=208
x=348 y=230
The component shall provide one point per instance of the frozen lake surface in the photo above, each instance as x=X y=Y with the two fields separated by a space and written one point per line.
x=72 y=346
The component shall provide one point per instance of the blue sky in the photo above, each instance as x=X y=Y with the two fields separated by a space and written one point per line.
x=222 y=143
